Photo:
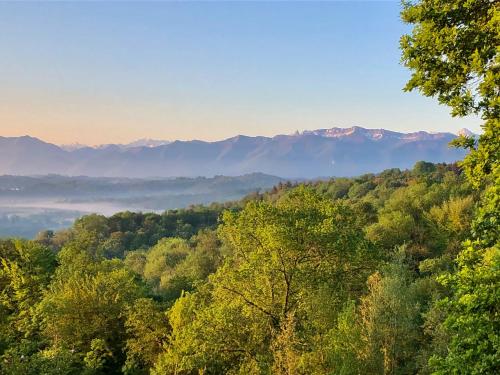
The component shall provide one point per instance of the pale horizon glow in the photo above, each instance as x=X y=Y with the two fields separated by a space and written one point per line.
x=97 y=73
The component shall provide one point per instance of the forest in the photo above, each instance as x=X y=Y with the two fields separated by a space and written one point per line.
x=389 y=273
x=340 y=276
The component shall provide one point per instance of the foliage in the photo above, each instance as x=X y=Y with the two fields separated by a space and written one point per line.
x=453 y=53
x=389 y=273
x=303 y=279
x=25 y=270
x=114 y=236
x=147 y=329
x=290 y=266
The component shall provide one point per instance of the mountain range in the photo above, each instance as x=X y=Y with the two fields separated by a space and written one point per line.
x=308 y=154
x=144 y=142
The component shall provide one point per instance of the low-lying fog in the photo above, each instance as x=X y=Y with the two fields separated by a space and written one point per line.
x=26 y=218
x=31 y=204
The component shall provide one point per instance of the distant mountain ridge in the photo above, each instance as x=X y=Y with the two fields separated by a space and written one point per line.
x=323 y=152
x=143 y=142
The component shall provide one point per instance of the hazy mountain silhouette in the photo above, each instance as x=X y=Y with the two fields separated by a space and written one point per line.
x=323 y=152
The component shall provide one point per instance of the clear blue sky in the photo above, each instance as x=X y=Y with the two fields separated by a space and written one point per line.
x=114 y=72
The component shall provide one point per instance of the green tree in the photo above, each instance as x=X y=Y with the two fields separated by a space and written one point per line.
x=423 y=167
x=26 y=268
x=46 y=362
x=161 y=261
x=85 y=311
x=391 y=316
x=290 y=267
x=147 y=330
x=340 y=350
x=453 y=53
x=97 y=358
x=404 y=219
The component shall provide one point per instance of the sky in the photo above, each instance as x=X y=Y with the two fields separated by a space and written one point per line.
x=113 y=72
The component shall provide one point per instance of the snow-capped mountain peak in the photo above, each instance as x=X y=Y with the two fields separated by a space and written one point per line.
x=146 y=142
x=466 y=133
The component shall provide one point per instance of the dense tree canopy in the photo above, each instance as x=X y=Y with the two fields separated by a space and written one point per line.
x=330 y=276
x=389 y=273
x=453 y=52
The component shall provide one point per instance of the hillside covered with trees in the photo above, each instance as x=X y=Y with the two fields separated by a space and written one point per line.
x=392 y=273
x=333 y=276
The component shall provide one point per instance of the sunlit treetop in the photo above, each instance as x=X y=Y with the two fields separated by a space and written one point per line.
x=453 y=53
